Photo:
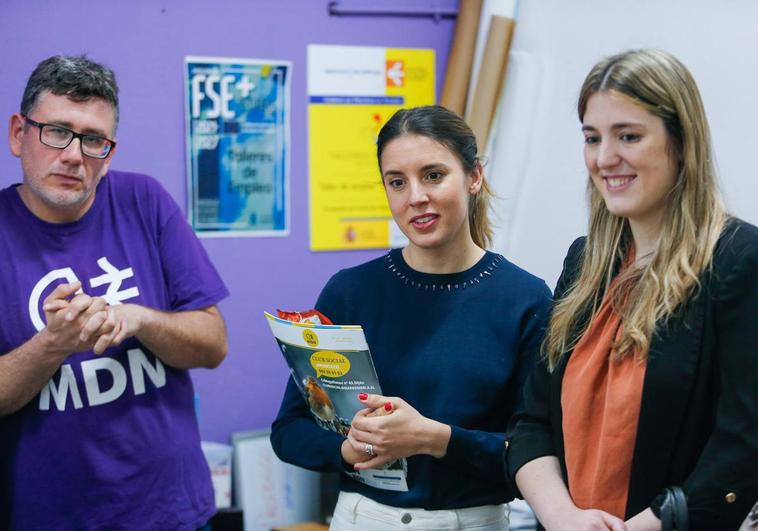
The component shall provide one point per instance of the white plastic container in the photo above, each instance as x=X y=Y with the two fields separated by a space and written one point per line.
x=219 y=457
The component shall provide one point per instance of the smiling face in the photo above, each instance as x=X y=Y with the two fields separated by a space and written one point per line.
x=628 y=156
x=428 y=192
x=59 y=184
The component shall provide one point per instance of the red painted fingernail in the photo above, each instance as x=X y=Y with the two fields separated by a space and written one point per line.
x=388 y=406
x=362 y=396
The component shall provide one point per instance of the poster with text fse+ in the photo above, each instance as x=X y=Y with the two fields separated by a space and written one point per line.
x=237 y=113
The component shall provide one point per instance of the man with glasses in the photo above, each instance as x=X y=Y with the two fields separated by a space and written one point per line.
x=108 y=299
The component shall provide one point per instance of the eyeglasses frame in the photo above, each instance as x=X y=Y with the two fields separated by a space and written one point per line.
x=74 y=134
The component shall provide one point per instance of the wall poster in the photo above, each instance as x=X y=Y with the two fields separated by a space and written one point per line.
x=237 y=125
x=352 y=92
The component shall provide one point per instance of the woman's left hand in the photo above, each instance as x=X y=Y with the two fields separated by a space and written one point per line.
x=401 y=433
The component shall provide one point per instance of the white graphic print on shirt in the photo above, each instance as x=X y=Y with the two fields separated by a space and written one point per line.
x=138 y=363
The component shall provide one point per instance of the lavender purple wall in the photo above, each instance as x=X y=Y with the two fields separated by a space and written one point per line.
x=145 y=42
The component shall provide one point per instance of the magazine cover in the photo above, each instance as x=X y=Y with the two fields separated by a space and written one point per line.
x=331 y=364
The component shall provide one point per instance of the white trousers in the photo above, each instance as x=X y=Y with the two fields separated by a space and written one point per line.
x=521 y=516
x=358 y=513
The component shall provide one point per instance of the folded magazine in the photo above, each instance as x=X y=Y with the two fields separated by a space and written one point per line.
x=331 y=364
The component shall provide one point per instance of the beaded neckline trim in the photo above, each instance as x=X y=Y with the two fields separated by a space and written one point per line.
x=443 y=286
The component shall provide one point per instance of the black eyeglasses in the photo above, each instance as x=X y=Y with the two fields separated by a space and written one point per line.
x=59 y=137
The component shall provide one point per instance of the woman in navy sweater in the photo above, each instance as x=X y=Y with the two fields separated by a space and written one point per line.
x=453 y=331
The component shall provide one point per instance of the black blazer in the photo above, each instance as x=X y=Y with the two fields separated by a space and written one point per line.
x=698 y=424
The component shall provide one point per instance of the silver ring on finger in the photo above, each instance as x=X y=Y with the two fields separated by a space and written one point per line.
x=369 y=449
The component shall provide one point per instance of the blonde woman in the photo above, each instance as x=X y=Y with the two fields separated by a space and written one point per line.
x=644 y=412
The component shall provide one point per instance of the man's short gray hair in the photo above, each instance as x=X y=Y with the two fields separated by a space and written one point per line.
x=76 y=77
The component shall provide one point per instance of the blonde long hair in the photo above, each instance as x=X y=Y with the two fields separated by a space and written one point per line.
x=650 y=293
x=452 y=131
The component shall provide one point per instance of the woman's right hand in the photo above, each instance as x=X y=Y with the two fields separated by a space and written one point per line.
x=541 y=483
x=350 y=451
x=352 y=456
x=585 y=520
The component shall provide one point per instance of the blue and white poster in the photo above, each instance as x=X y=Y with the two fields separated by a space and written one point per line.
x=238 y=114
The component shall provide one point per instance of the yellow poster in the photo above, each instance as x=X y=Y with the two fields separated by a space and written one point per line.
x=352 y=92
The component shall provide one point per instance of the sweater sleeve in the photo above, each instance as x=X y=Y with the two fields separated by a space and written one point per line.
x=480 y=452
x=295 y=436
x=530 y=431
x=724 y=483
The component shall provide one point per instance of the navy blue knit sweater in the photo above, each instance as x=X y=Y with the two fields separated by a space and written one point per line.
x=457 y=347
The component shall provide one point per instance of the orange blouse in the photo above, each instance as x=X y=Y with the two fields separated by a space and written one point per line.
x=600 y=400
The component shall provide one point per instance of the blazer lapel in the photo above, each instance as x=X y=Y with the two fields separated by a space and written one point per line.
x=669 y=378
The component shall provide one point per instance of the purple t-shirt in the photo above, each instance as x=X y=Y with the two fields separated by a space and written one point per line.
x=111 y=442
